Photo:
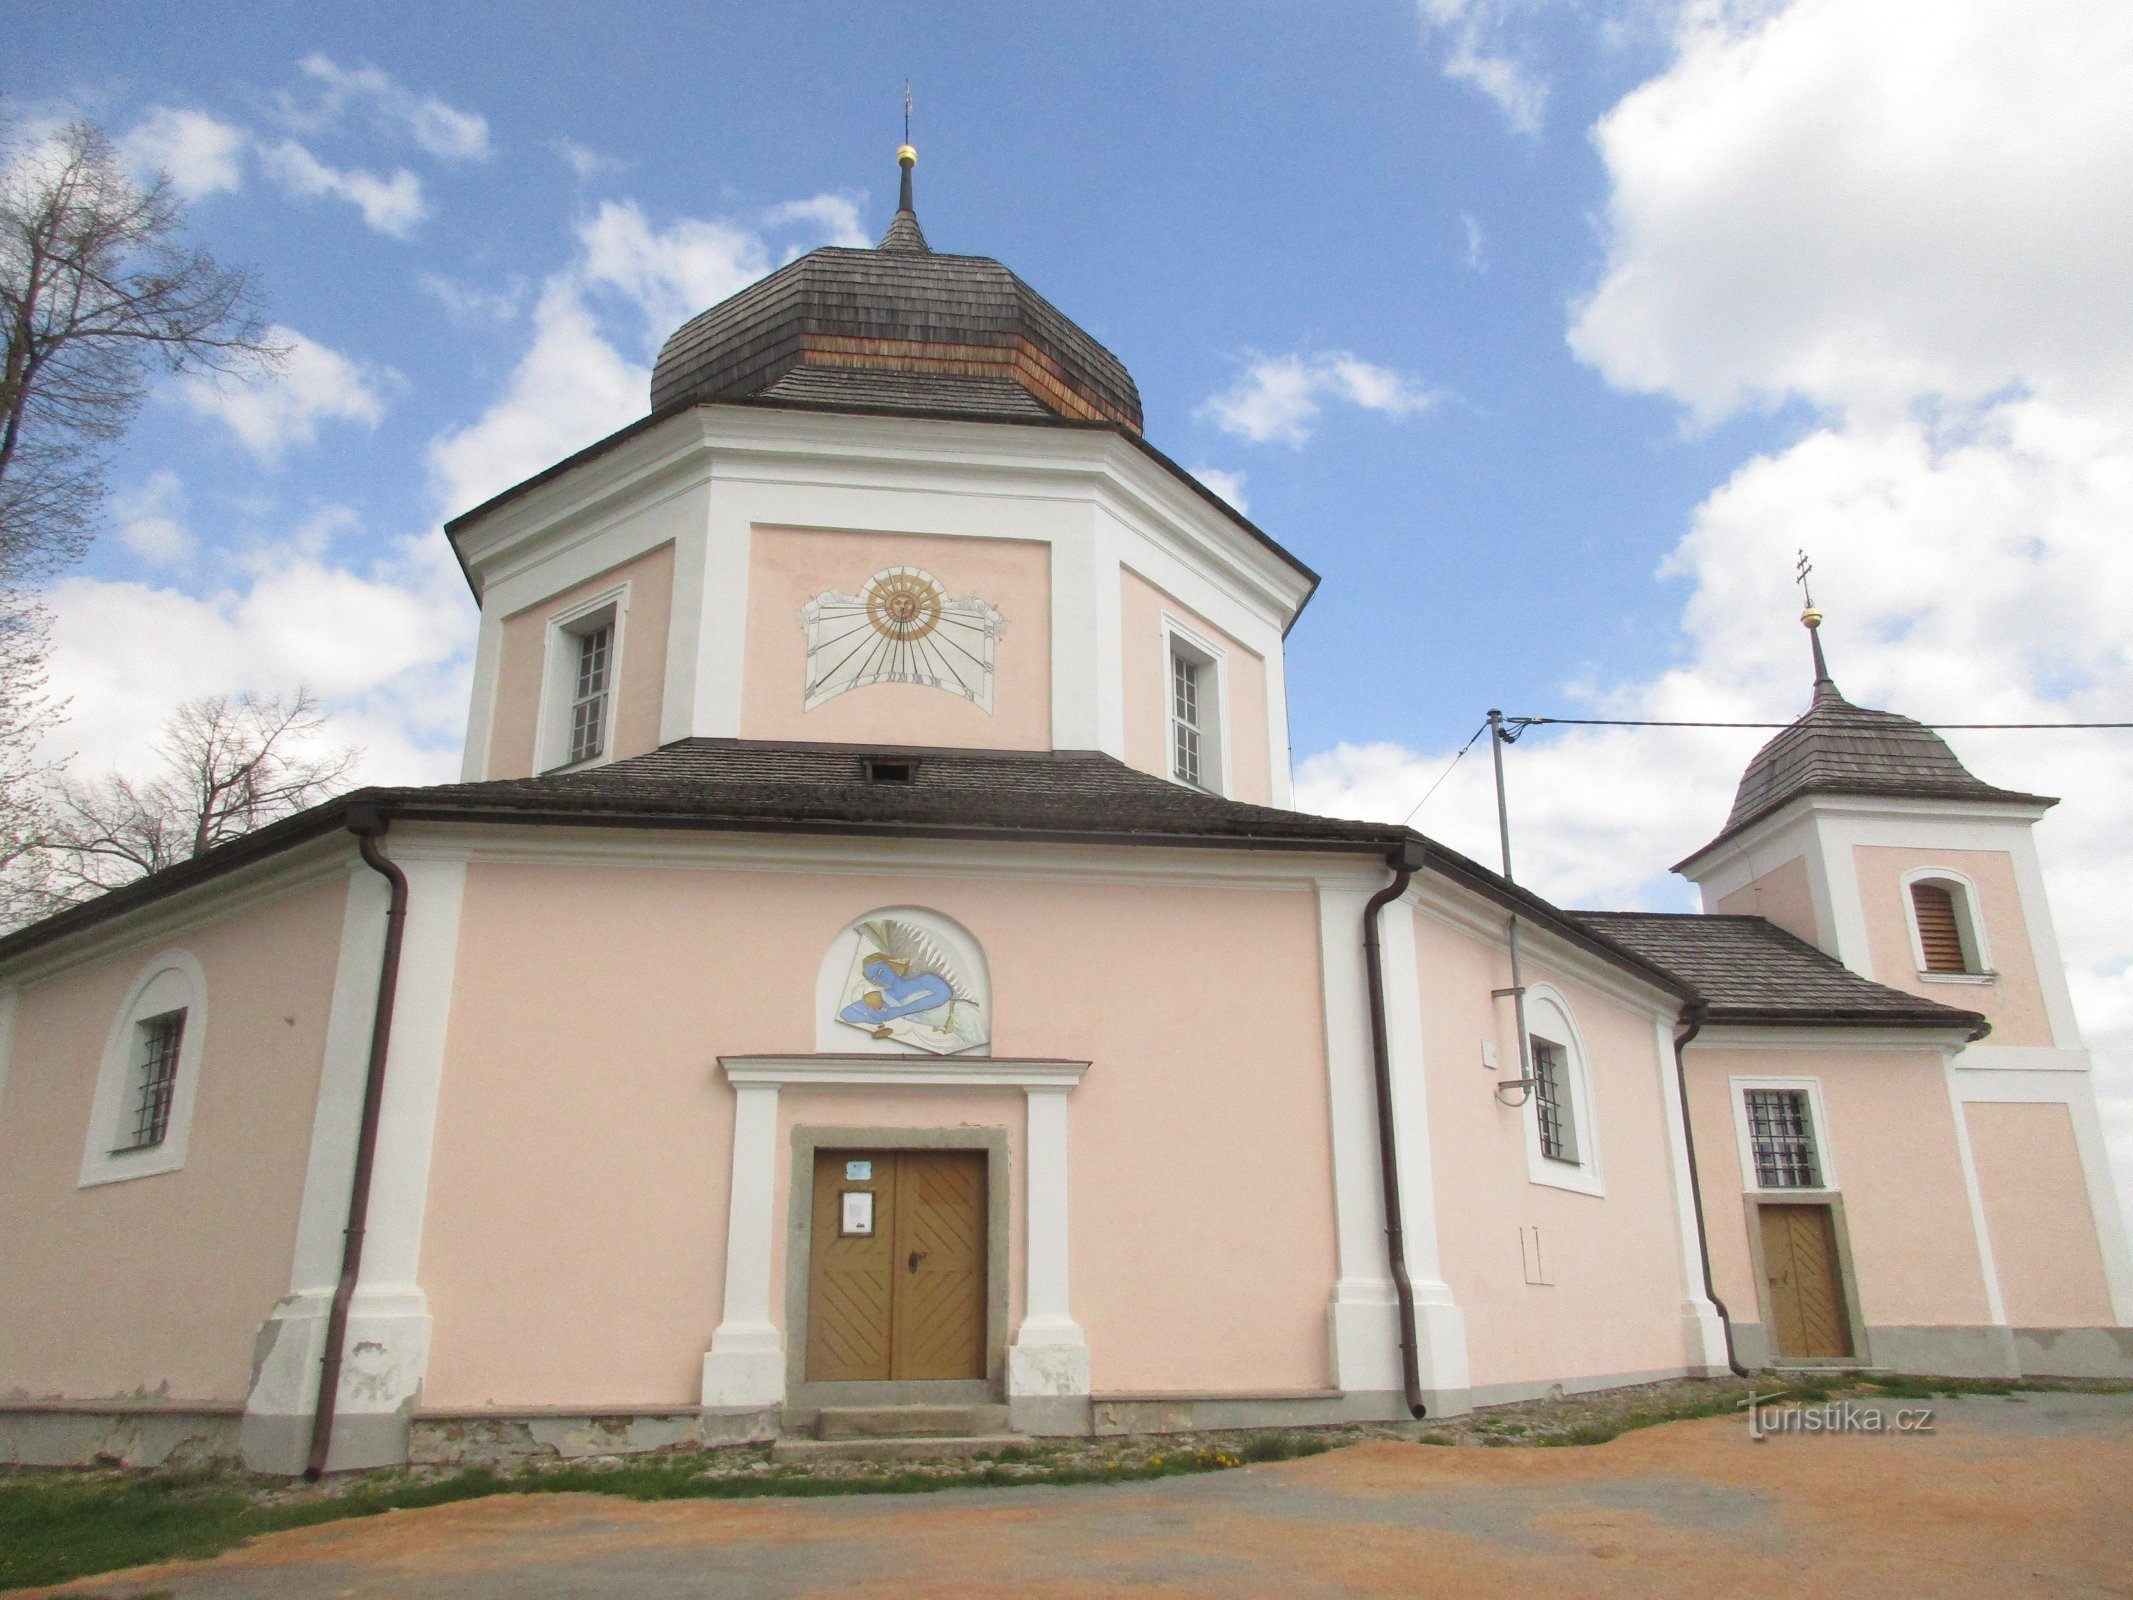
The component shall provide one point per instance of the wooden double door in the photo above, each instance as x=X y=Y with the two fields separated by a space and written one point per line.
x=896 y=1266
x=1808 y=1316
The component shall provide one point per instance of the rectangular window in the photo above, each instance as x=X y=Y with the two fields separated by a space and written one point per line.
x=588 y=702
x=1781 y=1135
x=1186 y=743
x=155 y=1078
x=1551 y=1102
x=1940 y=934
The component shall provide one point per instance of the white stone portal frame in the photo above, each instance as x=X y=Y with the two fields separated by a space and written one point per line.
x=744 y=1371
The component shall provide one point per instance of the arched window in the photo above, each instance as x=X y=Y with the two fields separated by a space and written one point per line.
x=1947 y=938
x=141 y=1118
x=1562 y=1133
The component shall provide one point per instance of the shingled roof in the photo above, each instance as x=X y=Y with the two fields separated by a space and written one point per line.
x=1840 y=748
x=900 y=328
x=1751 y=971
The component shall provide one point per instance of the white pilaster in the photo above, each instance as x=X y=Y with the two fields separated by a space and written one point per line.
x=745 y=1367
x=1049 y=1356
x=481 y=700
x=1703 y=1337
x=386 y=1352
x=1988 y=1266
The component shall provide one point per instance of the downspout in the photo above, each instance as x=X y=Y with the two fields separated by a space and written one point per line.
x=1692 y=1017
x=1405 y=862
x=368 y=826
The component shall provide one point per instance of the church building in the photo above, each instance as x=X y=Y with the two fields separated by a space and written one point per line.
x=871 y=973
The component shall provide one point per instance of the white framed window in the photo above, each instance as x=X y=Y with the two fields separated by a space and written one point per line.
x=579 y=679
x=140 y=1119
x=1195 y=701
x=1562 y=1125
x=1783 y=1134
x=1947 y=934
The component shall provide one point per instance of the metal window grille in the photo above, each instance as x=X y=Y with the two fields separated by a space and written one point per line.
x=1551 y=1102
x=588 y=703
x=1940 y=934
x=155 y=1079
x=1185 y=718
x=1781 y=1135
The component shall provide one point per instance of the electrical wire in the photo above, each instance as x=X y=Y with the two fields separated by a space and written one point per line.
x=1636 y=722
x=1446 y=773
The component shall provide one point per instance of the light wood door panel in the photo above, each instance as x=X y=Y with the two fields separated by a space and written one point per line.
x=940 y=1284
x=1807 y=1311
x=908 y=1301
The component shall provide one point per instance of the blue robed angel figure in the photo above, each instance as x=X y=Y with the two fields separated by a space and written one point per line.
x=905 y=987
x=897 y=992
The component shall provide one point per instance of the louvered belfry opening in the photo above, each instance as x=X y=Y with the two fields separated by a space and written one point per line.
x=1940 y=933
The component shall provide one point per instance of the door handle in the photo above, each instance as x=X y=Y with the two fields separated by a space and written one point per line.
x=916 y=1257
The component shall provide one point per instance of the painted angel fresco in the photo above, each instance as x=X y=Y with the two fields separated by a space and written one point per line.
x=904 y=986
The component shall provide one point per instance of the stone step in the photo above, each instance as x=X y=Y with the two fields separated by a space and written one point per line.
x=910 y=1422
x=795 y=1451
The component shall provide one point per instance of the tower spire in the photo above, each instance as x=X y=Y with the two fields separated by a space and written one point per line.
x=904 y=233
x=1811 y=620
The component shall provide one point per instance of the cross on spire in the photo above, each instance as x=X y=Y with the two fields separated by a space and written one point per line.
x=1811 y=620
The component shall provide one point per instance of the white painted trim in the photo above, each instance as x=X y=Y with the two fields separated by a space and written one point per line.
x=1586 y=1174
x=1214 y=719
x=864 y=1071
x=1969 y=925
x=1754 y=1036
x=171 y=980
x=481 y=698
x=2021 y=1058
x=2078 y=1095
x=744 y=1369
x=1818 y=1115
x=1703 y=1336
x=9 y=999
x=559 y=673
x=1988 y=1264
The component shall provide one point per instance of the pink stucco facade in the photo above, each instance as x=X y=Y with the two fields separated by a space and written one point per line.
x=156 y=1285
x=2030 y=1182
x=516 y=737
x=1145 y=666
x=1782 y=894
x=2013 y=999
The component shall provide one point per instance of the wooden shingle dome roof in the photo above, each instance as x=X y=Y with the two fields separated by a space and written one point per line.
x=898 y=328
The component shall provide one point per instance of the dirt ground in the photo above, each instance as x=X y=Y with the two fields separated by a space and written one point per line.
x=2028 y=1494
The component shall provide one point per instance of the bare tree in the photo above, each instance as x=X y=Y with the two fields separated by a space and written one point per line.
x=97 y=290
x=27 y=713
x=229 y=766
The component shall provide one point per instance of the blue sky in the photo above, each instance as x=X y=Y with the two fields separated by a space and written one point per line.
x=1547 y=330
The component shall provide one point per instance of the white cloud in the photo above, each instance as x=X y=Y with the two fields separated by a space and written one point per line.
x=314 y=385
x=823 y=219
x=392 y=205
x=384 y=648
x=1229 y=485
x=441 y=130
x=151 y=520
x=1915 y=219
x=201 y=154
x=1481 y=50
x=584 y=161
x=471 y=306
x=574 y=384
x=1280 y=397
x=1477 y=255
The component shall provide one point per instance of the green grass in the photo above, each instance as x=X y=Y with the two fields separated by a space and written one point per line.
x=56 y=1526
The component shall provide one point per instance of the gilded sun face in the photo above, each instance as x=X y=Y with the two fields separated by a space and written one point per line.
x=904 y=605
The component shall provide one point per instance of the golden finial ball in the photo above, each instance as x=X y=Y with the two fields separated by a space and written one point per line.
x=906 y=156
x=1811 y=617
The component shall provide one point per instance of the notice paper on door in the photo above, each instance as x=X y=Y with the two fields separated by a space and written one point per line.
x=858 y=1214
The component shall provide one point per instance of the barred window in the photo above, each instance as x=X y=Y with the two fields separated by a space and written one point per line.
x=1551 y=1102
x=1185 y=719
x=1781 y=1136
x=155 y=1079
x=588 y=703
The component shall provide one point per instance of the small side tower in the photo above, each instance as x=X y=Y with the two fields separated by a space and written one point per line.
x=1860 y=831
